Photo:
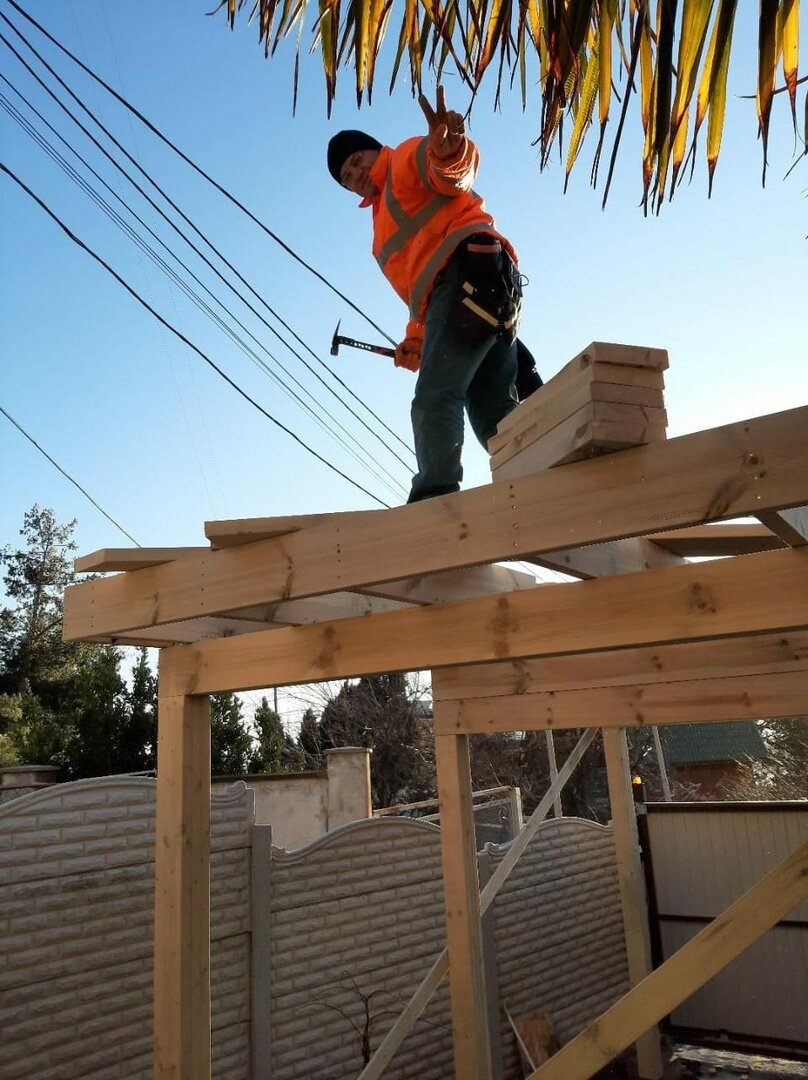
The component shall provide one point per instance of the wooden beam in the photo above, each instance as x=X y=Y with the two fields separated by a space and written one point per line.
x=717 y=540
x=790 y=525
x=599 y=560
x=726 y=598
x=753 y=655
x=182 y=891
x=632 y=887
x=726 y=937
x=113 y=559
x=708 y=476
x=697 y=701
x=237 y=531
x=461 y=889
x=454 y=585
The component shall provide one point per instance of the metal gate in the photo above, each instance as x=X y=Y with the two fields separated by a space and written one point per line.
x=698 y=858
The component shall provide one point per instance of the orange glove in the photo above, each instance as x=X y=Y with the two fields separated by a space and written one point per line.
x=408 y=354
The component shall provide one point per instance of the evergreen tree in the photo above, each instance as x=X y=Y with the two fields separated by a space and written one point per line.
x=308 y=741
x=138 y=741
x=267 y=754
x=379 y=712
x=230 y=741
x=97 y=716
x=31 y=646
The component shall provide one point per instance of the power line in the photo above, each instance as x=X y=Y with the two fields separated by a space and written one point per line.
x=160 y=262
x=85 y=247
x=67 y=475
x=189 y=161
x=199 y=233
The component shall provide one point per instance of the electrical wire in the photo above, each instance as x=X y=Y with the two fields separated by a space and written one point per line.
x=198 y=232
x=85 y=247
x=189 y=161
x=192 y=295
x=67 y=475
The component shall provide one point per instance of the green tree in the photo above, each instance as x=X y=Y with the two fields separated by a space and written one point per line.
x=97 y=716
x=381 y=713
x=36 y=574
x=231 y=744
x=138 y=737
x=267 y=754
x=308 y=741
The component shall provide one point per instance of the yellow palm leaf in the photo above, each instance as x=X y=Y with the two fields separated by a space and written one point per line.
x=767 y=64
x=791 y=50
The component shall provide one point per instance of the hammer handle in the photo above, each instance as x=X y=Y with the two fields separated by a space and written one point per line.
x=380 y=349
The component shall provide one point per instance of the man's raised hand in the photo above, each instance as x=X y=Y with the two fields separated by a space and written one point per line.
x=447 y=129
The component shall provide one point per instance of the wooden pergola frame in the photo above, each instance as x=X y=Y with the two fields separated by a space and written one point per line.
x=644 y=638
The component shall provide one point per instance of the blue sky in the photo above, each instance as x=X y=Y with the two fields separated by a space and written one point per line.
x=163 y=444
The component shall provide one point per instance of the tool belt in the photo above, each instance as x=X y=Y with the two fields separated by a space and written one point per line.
x=490 y=295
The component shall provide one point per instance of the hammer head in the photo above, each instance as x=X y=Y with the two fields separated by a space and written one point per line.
x=335 y=341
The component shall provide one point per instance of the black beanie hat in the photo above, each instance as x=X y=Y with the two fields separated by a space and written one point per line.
x=345 y=143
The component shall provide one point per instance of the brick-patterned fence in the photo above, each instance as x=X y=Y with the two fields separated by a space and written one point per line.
x=289 y=933
x=76 y=912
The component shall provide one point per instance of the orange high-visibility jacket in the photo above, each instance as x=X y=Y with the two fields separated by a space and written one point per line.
x=424 y=209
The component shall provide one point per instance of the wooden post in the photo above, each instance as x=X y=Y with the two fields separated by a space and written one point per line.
x=472 y=1052
x=182 y=891
x=632 y=894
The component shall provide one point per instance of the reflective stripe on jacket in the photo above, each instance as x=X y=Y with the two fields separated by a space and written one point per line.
x=425 y=208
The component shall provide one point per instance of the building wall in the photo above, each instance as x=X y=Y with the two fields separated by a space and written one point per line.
x=76 y=922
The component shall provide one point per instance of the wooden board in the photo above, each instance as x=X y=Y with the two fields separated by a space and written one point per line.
x=115 y=559
x=570 y=390
x=559 y=392
x=707 y=476
x=717 y=540
x=752 y=594
x=694 y=701
x=586 y=410
x=580 y=436
x=757 y=654
x=726 y=937
x=238 y=531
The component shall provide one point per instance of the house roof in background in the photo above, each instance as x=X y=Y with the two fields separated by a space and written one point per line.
x=689 y=744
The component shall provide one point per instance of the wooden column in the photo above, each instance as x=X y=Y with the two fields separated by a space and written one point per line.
x=182 y=891
x=472 y=1053
x=632 y=889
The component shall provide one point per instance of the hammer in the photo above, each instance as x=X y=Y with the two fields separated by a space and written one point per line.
x=338 y=340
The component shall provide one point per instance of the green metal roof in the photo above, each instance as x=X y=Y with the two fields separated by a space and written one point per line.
x=688 y=744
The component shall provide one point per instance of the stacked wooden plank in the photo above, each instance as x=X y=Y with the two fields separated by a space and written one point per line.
x=608 y=398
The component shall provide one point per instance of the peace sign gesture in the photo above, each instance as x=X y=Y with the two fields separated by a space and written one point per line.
x=447 y=129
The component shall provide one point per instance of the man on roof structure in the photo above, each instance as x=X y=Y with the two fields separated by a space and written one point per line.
x=441 y=251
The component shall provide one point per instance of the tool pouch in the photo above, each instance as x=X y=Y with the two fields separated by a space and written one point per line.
x=489 y=299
